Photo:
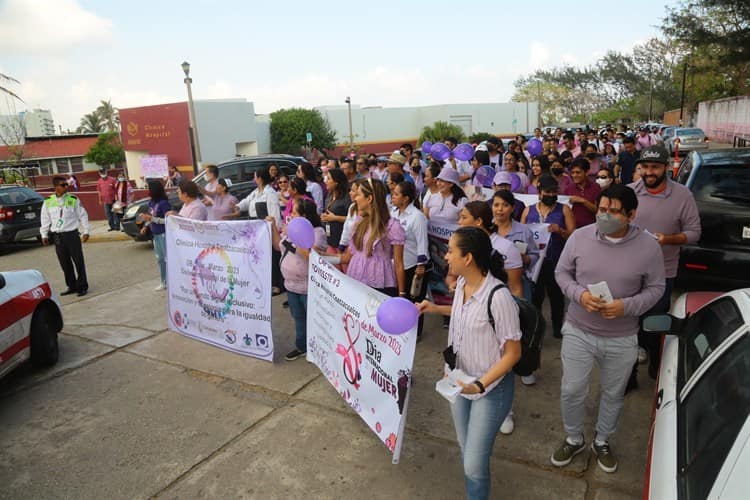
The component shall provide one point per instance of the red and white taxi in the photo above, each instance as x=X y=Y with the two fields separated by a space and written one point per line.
x=700 y=433
x=30 y=318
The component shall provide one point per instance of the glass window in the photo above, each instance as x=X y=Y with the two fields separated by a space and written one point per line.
x=711 y=417
x=714 y=183
x=689 y=131
x=11 y=196
x=684 y=172
x=232 y=172
x=249 y=168
x=707 y=329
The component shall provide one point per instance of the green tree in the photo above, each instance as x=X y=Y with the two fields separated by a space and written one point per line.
x=91 y=123
x=718 y=33
x=107 y=150
x=439 y=131
x=5 y=79
x=110 y=116
x=478 y=137
x=289 y=128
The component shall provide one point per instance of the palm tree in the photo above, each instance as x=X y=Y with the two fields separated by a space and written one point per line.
x=109 y=115
x=6 y=90
x=91 y=123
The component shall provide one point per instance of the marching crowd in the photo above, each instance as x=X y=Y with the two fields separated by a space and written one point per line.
x=622 y=222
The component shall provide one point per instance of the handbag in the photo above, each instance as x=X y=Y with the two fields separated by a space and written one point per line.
x=118 y=207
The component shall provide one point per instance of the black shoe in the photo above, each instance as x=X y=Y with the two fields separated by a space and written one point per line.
x=632 y=384
x=557 y=335
x=446 y=322
x=82 y=293
x=68 y=292
x=285 y=304
x=275 y=291
x=111 y=229
x=296 y=353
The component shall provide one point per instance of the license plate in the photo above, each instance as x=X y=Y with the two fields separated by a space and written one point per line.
x=745 y=232
x=32 y=215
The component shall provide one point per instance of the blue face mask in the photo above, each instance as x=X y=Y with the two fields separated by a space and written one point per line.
x=619 y=141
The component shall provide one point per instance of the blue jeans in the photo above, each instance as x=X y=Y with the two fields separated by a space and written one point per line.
x=477 y=422
x=298 y=308
x=114 y=223
x=160 y=249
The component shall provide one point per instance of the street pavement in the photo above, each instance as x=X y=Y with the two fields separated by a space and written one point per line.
x=133 y=410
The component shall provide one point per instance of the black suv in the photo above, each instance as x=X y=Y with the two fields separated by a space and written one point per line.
x=241 y=173
x=20 y=212
x=720 y=182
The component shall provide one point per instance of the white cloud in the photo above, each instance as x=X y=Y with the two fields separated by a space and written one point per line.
x=539 y=55
x=44 y=26
x=219 y=90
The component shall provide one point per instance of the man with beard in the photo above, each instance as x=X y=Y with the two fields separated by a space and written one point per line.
x=668 y=211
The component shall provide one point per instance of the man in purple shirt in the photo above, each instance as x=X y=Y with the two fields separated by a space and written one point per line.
x=603 y=327
x=668 y=211
x=582 y=192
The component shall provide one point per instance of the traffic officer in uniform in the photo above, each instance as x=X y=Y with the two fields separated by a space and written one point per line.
x=61 y=215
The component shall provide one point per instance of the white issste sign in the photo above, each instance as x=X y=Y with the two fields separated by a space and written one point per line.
x=219 y=282
x=370 y=369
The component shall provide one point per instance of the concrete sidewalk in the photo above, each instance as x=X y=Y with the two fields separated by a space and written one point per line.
x=134 y=410
x=100 y=232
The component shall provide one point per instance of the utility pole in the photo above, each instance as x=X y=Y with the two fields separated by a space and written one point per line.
x=351 y=133
x=191 y=113
x=682 y=99
x=539 y=104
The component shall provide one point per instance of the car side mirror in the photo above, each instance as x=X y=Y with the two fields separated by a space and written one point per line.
x=663 y=323
x=2 y=281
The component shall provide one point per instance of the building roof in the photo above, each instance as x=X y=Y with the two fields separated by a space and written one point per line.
x=51 y=147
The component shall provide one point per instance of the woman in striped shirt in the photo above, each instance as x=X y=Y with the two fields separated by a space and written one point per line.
x=480 y=351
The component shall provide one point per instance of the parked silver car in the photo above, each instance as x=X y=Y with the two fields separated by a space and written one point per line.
x=689 y=139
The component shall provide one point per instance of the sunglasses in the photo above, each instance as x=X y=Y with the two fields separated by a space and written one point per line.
x=63 y=184
x=283 y=182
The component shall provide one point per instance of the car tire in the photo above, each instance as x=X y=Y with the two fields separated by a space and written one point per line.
x=44 y=347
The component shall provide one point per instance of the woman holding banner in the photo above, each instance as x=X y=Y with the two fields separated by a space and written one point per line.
x=294 y=265
x=416 y=253
x=192 y=206
x=375 y=255
x=480 y=351
x=561 y=224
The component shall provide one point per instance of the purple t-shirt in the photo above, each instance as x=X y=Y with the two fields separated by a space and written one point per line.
x=377 y=269
x=590 y=191
x=221 y=206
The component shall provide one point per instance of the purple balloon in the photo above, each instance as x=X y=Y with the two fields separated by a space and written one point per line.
x=534 y=147
x=426 y=147
x=464 y=152
x=515 y=182
x=397 y=316
x=440 y=151
x=300 y=232
x=484 y=176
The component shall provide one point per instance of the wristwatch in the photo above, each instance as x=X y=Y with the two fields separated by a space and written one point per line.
x=479 y=384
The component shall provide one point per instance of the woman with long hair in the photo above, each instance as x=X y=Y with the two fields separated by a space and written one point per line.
x=294 y=266
x=416 y=248
x=539 y=167
x=306 y=172
x=337 y=204
x=158 y=207
x=375 y=255
x=484 y=353
x=431 y=174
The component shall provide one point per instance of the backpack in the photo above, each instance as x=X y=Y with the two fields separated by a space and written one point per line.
x=532 y=333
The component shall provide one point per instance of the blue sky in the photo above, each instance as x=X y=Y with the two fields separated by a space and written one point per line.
x=68 y=54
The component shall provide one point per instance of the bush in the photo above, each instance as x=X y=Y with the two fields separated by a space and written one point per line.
x=439 y=131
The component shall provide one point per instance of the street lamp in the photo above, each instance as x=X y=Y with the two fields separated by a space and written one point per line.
x=191 y=112
x=351 y=134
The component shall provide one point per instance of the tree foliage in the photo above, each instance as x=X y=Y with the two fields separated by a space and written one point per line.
x=715 y=37
x=107 y=150
x=478 y=137
x=439 y=131
x=91 y=123
x=290 y=126
x=110 y=116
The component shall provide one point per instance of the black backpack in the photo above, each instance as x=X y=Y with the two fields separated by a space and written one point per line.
x=532 y=333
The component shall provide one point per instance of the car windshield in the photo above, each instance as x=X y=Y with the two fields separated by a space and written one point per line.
x=710 y=419
x=707 y=329
x=722 y=182
x=690 y=131
x=15 y=196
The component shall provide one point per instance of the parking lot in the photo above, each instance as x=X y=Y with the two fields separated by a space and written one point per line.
x=133 y=410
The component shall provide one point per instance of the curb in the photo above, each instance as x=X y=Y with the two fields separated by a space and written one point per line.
x=98 y=238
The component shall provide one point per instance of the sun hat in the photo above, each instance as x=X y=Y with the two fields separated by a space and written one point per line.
x=397 y=158
x=502 y=178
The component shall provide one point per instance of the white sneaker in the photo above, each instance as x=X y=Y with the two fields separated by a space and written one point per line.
x=160 y=287
x=642 y=355
x=508 y=424
x=530 y=380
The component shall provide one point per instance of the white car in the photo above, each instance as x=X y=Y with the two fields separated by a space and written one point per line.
x=30 y=318
x=699 y=445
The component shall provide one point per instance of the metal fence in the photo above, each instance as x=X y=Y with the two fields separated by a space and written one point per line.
x=740 y=142
x=25 y=176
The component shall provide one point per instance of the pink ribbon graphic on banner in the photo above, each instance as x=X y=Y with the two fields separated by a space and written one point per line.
x=351 y=358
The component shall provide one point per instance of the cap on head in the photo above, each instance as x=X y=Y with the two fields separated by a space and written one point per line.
x=448 y=174
x=502 y=178
x=654 y=154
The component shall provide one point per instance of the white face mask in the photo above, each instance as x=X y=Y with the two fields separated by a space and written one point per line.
x=604 y=183
x=102 y=175
x=121 y=179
